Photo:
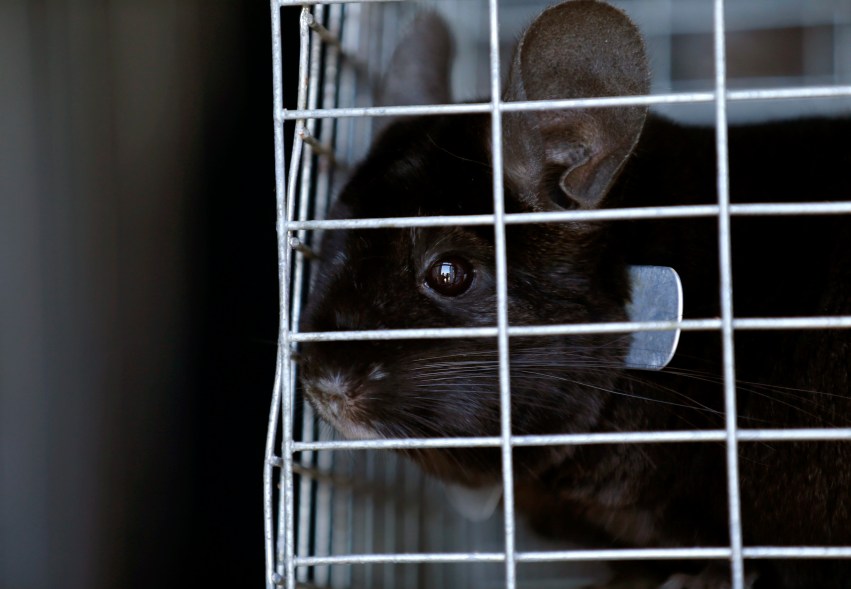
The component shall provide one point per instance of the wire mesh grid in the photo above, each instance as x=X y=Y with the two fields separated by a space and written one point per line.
x=313 y=500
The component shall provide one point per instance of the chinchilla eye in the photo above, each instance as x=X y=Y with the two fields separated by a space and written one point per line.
x=450 y=276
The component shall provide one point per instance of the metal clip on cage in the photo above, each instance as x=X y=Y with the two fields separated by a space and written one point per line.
x=366 y=519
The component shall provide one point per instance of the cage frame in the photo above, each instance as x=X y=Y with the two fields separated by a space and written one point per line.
x=282 y=561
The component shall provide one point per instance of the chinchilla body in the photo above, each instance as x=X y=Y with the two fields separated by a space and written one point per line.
x=639 y=495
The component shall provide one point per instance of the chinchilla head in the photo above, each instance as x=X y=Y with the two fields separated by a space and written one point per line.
x=445 y=276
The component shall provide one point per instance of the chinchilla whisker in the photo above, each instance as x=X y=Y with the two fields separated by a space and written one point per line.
x=538 y=360
x=455 y=375
x=790 y=390
x=460 y=368
x=539 y=351
x=674 y=391
x=611 y=391
x=798 y=409
x=481 y=373
x=707 y=376
x=773 y=393
x=465 y=354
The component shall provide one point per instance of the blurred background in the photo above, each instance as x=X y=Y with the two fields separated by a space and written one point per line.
x=138 y=291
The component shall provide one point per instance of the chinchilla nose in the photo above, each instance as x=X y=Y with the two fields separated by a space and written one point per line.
x=326 y=373
x=332 y=385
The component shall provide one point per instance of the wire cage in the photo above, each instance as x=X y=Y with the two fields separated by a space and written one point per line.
x=352 y=514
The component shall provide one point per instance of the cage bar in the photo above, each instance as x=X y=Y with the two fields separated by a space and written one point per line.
x=601 y=102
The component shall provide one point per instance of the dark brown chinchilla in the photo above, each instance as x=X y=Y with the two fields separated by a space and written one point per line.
x=792 y=493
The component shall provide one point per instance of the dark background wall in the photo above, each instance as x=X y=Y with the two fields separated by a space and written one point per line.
x=137 y=290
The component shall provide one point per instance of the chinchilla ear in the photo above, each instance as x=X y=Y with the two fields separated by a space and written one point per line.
x=419 y=69
x=569 y=158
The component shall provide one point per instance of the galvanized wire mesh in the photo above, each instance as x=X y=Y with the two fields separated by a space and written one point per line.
x=325 y=512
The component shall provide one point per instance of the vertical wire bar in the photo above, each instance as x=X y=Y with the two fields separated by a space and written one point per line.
x=358 y=20
x=286 y=211
x=306 y=484
x=725 y=263
x=399 y=508
x=323 y=537
x=340 y=521
x=280 y=174
x=344 y=504
x=303 y=86
x=458 y=533
x=411 y=505
x=429 y=527
x=311 y=84
x=350 y=520
x=327 y=134
x=344 y=90
x=377 y=55
x=307 y=168
x=388 y=520
x=369 y=516
x=502 y=298
x=273 y=571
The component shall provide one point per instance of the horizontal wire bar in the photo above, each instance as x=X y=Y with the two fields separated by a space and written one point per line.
x=677 y=98
x=613 y=327
x=767 y=323
x=797 y=552
x=687 y=553
x=796 y=435
x=624 y=554
x=312 y=2
x=398 y=444
x=394 y=334
x=750 y=324
x=598 y=102
x=619 y=438
x=385 y=111
x=684 y=436
x=792 y=208
x=631 y=213
x=710 y=553
x=790 y=93
x=393 y=222
x=678 y=211
x=414 y=558
x=533 y=330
